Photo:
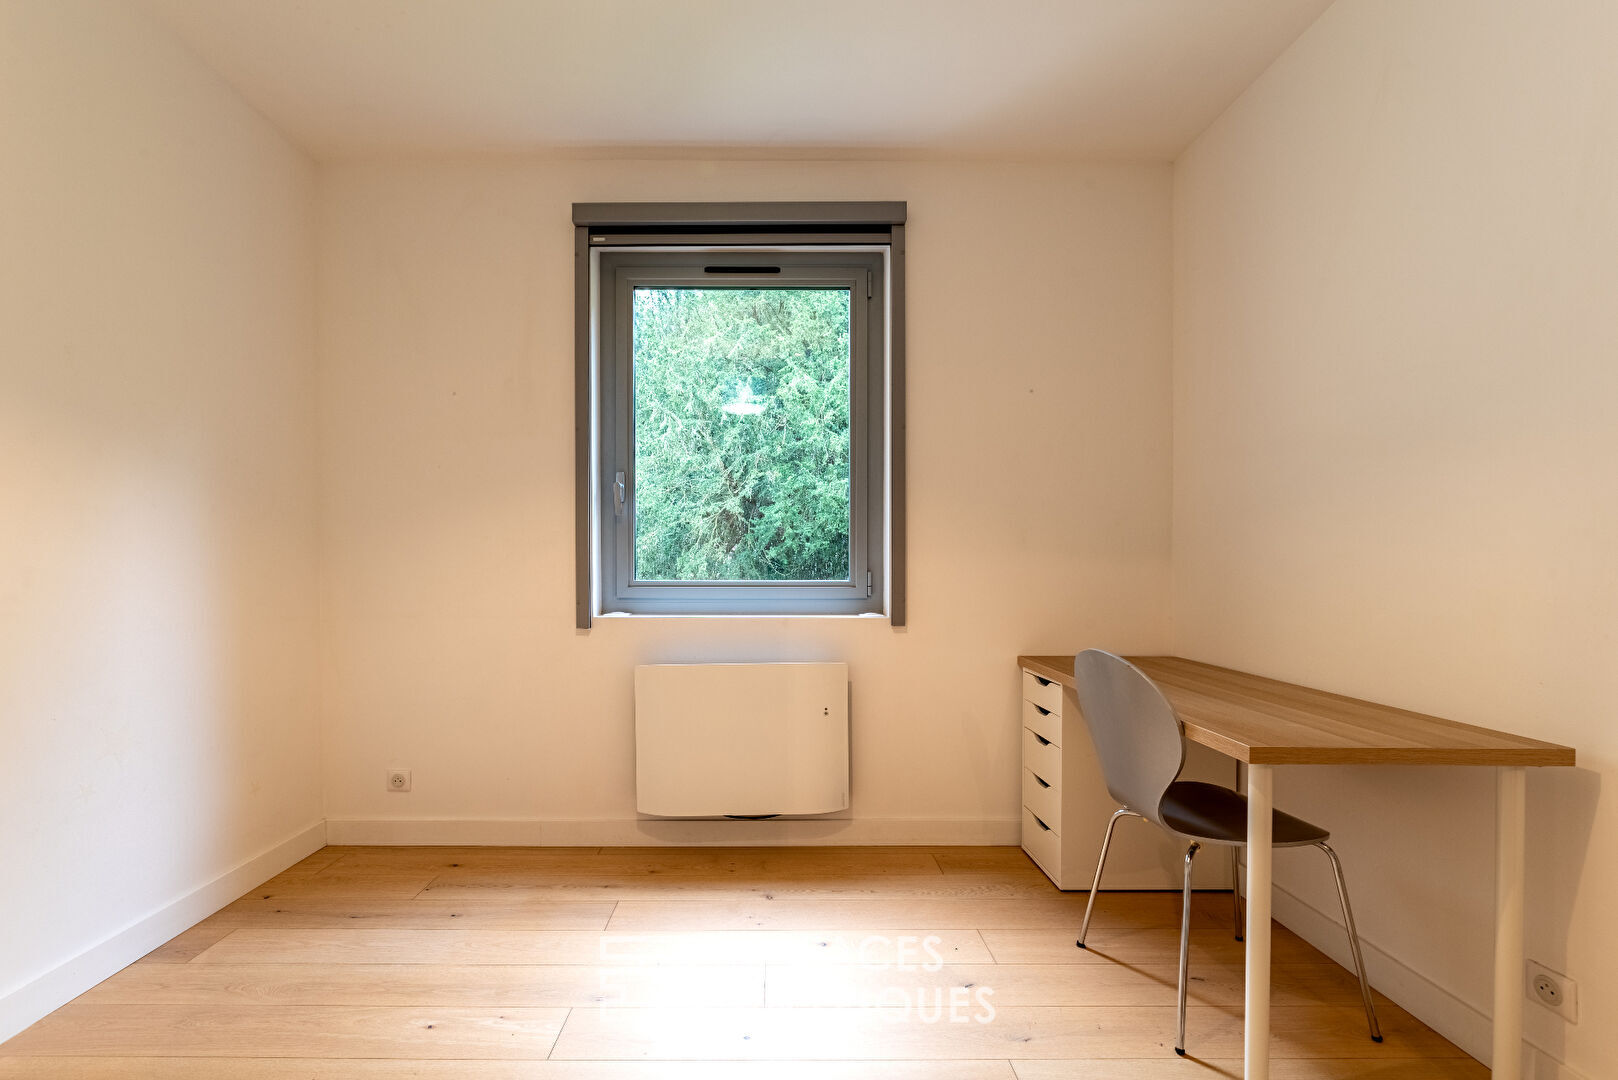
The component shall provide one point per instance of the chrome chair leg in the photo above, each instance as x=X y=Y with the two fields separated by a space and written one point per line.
x=1353 y=941
x=1185 y=942
x=1236 y=890
x=1106 y=842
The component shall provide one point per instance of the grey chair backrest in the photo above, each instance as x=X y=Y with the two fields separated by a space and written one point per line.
x=1137 y=736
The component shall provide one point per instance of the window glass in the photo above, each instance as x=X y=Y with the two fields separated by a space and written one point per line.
x=742 y=434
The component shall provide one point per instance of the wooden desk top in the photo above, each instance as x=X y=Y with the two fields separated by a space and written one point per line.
x=1268 y=722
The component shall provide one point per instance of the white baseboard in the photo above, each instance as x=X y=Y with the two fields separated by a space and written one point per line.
x=56 y=987
x=1453 y=1017
x=652 y=832
x=1538 y=1065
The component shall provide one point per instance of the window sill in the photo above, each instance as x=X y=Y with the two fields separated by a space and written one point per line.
x=878 y=616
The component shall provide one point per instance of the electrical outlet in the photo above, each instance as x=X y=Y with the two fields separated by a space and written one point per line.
x=1555 y=991
x=398 y=779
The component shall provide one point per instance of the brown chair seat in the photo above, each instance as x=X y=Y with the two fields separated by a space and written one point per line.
x=1218 y=815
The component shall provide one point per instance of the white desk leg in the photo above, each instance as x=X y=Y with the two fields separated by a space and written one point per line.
x=1510 y=837
x=1260 y=807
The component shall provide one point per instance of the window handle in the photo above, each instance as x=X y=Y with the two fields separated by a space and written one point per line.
x=618 y=495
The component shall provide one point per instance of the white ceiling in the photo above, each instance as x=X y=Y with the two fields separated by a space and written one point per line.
x=1025 y=78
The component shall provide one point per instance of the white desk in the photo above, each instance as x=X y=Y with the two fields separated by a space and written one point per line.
x=1266 y=723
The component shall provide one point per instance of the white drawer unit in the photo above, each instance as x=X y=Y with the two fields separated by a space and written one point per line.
x=1042 y=757
x=1042 y=721
x=1041 y=842
x=1042 y=692
x=1066 y=805
x=1042 y=797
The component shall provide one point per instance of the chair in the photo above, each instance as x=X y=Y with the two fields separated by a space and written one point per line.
x=1139 y=742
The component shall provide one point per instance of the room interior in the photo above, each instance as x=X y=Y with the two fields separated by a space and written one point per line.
x=1272 y=334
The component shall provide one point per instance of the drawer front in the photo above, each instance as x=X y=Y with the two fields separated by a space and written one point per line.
x=1038 y=719
x=1044 y=799
x=1042 y=757
x=1042 y=843
x=1042 y=692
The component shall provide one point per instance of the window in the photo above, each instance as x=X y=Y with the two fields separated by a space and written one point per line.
x=738 y=412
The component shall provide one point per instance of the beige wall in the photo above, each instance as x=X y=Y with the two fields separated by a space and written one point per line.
x=1396 y=457
x=1392 y=450
x=1039 y=491
x=157 y=535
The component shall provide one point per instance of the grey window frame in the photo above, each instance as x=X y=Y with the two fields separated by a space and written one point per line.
x=854 y=245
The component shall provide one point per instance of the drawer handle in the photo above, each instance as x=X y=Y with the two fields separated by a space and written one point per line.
x=1040 y=709
x=1039 y=780
x=1040 y=681
x=1038 y=822
x=1042 y=740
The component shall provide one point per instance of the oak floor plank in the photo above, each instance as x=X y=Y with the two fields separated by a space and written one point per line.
x=693 y=887
x=187 y=946
x=608 y=949
x=359 y=1069
x=1113 y=945
x=383 y=857
x=1140 y=910
x=1173 y=1067
x=344 y=878
x=432 y=985
x=1048 y=984
x=814 y=851
x=315 y=863
x=332 y=882
x=334 y=912
x=1325 y=1031
x=389 y=855
x=715 y=862
x=980 y=859
x=290 y=1031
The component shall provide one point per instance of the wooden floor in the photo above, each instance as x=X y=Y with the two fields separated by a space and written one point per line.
x=723 y=963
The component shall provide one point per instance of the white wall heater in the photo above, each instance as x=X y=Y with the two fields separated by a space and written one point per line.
x=741 y=740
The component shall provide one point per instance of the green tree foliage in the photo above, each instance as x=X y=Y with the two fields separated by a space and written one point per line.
x=759 y=492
